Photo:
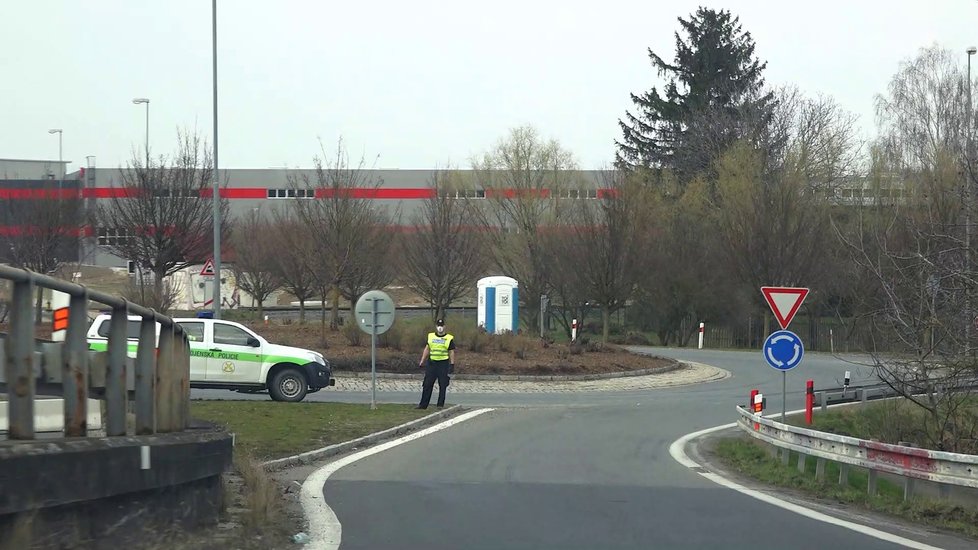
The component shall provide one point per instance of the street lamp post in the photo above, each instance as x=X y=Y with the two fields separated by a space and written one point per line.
x=967 y=214
x=216 y=195
x=139 y=101
x=61 y=164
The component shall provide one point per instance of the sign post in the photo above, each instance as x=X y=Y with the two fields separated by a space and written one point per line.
x=375 y=315
x=783 y=349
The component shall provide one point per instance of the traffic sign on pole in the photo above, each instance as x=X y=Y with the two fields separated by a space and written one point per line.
x=208 y=269
x=783 y=350
x=784 y=302
x=375 y=314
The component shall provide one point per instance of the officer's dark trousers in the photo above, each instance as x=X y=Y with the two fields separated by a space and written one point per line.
x=435 y=370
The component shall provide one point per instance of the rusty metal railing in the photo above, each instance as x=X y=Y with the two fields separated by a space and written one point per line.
x=158 y=378
x=909 y=462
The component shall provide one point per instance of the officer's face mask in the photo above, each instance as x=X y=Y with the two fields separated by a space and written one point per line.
x=440 y=330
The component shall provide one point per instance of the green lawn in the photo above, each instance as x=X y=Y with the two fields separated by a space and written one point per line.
x=268 y=429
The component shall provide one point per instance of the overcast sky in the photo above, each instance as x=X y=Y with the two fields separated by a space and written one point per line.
x=408 y=84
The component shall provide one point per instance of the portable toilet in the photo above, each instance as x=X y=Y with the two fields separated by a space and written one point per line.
x=499 y=304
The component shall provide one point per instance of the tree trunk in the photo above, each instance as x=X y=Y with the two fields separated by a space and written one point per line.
x=37 y=310
x=322 y=316
x=158 y=289
x=605 y=323
x=334 y=322
x=302 y=311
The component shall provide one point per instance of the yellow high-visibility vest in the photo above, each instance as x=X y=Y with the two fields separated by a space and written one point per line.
x=438 y=346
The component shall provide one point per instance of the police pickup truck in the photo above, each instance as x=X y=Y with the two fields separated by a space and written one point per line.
x=227 y=355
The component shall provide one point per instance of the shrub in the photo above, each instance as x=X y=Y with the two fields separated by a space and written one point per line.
x=479 y=342
x=521 y=350
x=593 y=347
x=392 y=338
x=634 y=338
x=507 y=341
x=576 y=349
x=353 y=334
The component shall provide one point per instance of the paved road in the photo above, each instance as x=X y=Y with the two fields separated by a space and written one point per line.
x=589 y=470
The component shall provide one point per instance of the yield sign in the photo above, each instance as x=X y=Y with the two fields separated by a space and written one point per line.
x=208 y=270
x=784 y=302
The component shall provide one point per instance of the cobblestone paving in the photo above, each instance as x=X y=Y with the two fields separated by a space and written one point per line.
x=691 y=373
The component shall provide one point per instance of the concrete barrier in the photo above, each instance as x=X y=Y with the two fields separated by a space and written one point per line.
x=49 y=415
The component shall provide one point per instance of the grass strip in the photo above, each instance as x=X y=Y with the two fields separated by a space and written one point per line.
x=753 y=460
x=267 y=429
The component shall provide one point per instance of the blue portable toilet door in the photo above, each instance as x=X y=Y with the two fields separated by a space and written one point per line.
x=491 y=310
x=516 y=309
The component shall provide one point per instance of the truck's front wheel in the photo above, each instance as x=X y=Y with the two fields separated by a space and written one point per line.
x=288 y=385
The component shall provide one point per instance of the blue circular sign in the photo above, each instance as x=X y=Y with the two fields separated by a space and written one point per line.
x=783 y=350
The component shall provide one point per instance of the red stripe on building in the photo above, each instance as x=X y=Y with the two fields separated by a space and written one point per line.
x=46 y=193
x=105 y=192
x=28 y=230
x=237 y=193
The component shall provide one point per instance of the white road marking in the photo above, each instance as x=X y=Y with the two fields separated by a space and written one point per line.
x=325 y=531
x=678 y=452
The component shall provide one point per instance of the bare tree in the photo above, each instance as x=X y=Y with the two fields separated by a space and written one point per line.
x=773 y=211
x=45 y=228
x=918 y=309
x=256 y=253
x=913 y=243
x=163 y=213
x=340 y=217
x=443 y=254
x=523 y=176
x=682 y=283
x=375 y=267
x=610 y=236
x=295 y=262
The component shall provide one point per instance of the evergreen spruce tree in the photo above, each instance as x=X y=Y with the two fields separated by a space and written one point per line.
x=714 y=96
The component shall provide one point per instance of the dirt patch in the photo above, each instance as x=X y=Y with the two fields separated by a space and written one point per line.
x=477 y=353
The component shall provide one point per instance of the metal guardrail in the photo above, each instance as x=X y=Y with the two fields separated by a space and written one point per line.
x=871 y=392
x=909 y=462
x=158 y=378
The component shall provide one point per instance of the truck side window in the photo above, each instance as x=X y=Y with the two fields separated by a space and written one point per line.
x=132 y=329
x=227 y=334
x=195 y=331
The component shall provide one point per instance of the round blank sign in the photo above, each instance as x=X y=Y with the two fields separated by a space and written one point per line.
x=364 y=310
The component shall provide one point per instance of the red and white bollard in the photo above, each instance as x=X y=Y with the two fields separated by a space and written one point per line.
x=757 y=406
x=809 y=401
x=702 y=328
x=573 y=330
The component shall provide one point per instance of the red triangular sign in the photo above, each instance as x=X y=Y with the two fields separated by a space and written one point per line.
x=784 y=302
x=208 y=270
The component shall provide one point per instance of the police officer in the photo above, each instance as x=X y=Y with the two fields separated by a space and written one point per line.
x=439 y=353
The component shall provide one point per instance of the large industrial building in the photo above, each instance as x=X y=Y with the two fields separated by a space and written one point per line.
x=247 y=190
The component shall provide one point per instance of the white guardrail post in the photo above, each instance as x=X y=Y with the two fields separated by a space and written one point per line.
x=946 y=469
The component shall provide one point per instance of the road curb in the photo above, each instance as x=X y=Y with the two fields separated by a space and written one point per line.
x=520 y=377
x=365 y=441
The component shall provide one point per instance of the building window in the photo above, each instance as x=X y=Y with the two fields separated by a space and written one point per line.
x=110 y=236
x=291 y=193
